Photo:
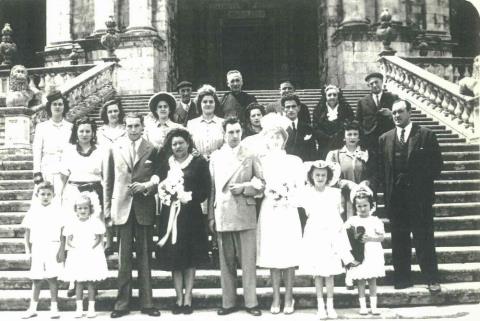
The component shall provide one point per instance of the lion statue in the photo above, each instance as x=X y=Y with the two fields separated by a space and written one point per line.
x=470 y=86
x=20 y=93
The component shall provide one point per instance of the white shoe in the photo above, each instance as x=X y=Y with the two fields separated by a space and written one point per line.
x=91 y=314
x=54 y=314
x=321 y=313
x=375 y=311
x=289 y=309
x=363 y=311
x=331 y=313
x=78 y=314
x=30 y=313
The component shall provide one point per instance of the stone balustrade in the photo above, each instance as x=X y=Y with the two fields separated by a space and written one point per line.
x=438 y=97
x=449 y=68
x=44 y=78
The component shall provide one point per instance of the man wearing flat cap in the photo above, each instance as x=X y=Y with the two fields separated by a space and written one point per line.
x=235 y=101
x=186 y=108
x=374 y=112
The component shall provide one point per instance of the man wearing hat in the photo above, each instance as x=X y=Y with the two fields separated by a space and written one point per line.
x=374 y=111
x=235 y=101
x=186 y=108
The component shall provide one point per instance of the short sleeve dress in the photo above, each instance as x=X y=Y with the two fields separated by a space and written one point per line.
x=83 y=262
x=373 y=265
x=325 y=242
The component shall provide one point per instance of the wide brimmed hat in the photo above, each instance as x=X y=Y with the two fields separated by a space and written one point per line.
x=372 y=75
x=332 y=166
x=152 y=103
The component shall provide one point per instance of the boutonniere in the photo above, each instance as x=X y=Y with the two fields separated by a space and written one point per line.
x=361 y=155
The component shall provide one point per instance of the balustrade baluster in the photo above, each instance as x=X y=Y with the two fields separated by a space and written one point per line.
x=448 y=69
x=458 y=109
x=416 y=87
x=466 y=114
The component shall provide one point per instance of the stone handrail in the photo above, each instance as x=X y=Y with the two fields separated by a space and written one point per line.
x=436 y=96
x=44 y=78
x=90 y=89
x=449 y=68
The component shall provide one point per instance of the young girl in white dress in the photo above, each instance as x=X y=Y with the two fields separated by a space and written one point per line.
x=325 y=242
x=373 y=264
x=84 y=234
x=279 y=232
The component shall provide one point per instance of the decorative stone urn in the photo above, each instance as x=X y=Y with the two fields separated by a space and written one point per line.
x=110 y=40
x=386 y=33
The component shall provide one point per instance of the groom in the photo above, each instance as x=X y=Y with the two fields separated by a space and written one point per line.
x=236 y=180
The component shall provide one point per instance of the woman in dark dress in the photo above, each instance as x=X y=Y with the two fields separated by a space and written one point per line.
x=329 y=118
x=253 y=115
x=183 y=244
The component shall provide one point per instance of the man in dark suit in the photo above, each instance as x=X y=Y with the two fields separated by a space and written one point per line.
x=186 y=108
x=300 y=136
x=129 y=191
x=409 y=161
x=287 y=88
x=374 y=112
x=235 y=101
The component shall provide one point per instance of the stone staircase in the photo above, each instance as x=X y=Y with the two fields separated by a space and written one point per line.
x=457 y=233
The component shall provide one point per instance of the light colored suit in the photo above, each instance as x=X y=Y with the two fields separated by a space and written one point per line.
x=236 y=221
x=133 y=215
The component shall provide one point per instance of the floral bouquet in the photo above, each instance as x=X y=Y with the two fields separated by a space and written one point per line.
x=172 y=193
x=362 y=155
x=279 y=192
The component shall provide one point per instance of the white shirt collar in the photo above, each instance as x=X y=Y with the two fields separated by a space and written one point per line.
x=213 y=120
x=186 y=106
x=168 y=123
x=379 y=95
x=137 y=143
x=408 y=129
x=59 y=124
x=293 y=121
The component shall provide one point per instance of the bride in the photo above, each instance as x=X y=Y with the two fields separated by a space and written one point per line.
x=279 y=231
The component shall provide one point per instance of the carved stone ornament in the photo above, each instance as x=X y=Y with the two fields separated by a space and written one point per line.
x=19 y=92
x=386 y=33
x=111 y=40
x=470 y=86
x=7 y=48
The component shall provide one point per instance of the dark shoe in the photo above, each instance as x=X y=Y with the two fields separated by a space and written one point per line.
x=71 y=293
x=108 y=251
x=118 y=313
x=177 y=309
x=225 y=311
x=434 y=288
x=187 y=309
x=255 y=311
x=151 y=312
x=403 y=285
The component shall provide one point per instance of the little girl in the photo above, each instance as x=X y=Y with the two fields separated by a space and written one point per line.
x=325 y=242
x=373 y=264
x=43 y=226
x=86 y=263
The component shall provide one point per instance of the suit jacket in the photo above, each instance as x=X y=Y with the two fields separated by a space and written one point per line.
x=119 y=174
x=182 y=117
x=235 y=104
x=424 y=164
x=233 y=212
x=301 y=144
x=367 y=115
x=303 y=114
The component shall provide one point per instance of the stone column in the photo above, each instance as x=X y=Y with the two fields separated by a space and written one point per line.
x=396 y=8
x=58 y=22
x=353 y=13
x=140 y=16
x=103 y=9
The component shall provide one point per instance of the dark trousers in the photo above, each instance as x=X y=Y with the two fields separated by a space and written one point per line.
x=142 y=234
x=408 y=215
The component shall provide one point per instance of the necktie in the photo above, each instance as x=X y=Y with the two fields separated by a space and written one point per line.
x=293 y=126
x=402 y=136
x=133 y=154
x=377 y=100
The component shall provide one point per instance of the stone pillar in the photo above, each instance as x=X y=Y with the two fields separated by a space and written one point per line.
x=396 y=8
x=58 y=22
x=103 y=9
x=140 y=16
x=353 y=13
x=17 y=126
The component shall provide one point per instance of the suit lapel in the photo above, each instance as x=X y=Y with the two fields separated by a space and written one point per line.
x=371 y=102
x=232 y=165
x=412 y=140
x=125 y=152
x=142 y=150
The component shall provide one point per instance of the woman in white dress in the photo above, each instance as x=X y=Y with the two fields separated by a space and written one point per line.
x=112 y=115
x=49 y=141
x=279 y=232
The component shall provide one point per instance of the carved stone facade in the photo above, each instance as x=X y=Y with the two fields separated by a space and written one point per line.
x=311 y=42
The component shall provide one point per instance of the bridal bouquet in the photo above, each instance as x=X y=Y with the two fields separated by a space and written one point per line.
x=172 y=189
x=279 y=192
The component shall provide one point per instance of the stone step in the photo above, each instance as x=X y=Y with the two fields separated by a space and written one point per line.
x=25 y=195
x=209 y=279
x=442 y=238
x=441 y=197
x=445 y=210
x=469 y=155
x=460 y=174
x=452 y=293
x=454 y=185
x=17 y=165
x=455 y=223
x=14 y=206
x=450 y=140
x=22 y=184
x=16 y=174
x=460 y=147
x=461 y=165
x=445 y=255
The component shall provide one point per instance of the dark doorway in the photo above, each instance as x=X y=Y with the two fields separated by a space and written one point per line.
x=247 y=45
x=465 y=28
x=27 y=19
